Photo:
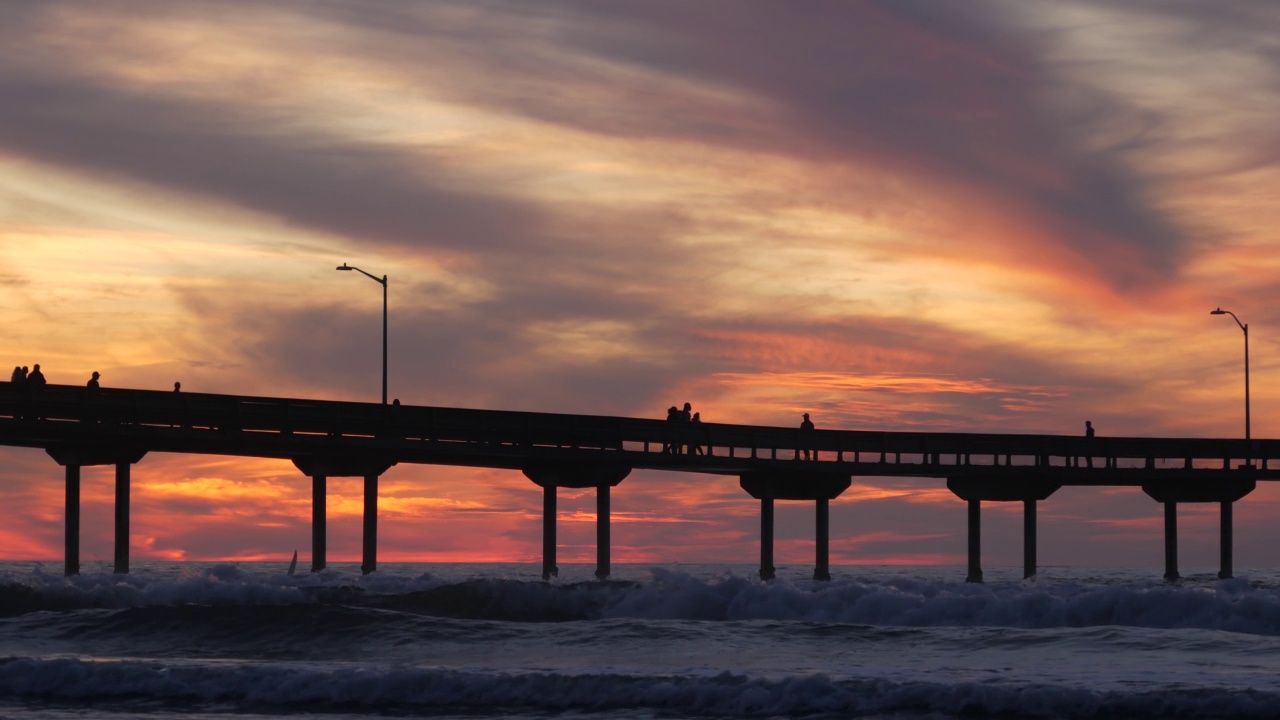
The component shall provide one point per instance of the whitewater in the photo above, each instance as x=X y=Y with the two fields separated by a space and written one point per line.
x=473 y=641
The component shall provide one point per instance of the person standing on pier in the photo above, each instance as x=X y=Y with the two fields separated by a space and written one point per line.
x=673 y=416
x=684 y=417
x=93 y=382
x=806 y=437
x=696 y=447
x=1088 y=432
x=34 y=387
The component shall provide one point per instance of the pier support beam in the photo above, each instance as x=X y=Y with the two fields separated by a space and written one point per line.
x=321 y=467
x=71 y=530
x=822 y=540
x=1224 y=540
x=369 y=558
x=74 y=457
x=122 y=518
x=1028 y=538
x=791 y=485
x=975 y=542
x=1224 y=491
x=767 y=569
x=549 y=567
x=1171 y=541
x=602 y=531
x=975 y=489
x=550 y=476
x=319 y=522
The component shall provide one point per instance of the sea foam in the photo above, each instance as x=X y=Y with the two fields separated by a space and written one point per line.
x=1234 y=606
x=251 y=686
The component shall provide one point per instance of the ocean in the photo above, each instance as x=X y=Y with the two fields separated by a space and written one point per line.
x=248 y=640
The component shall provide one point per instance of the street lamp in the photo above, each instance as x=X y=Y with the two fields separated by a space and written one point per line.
x=1245 y=328
x=383 y=282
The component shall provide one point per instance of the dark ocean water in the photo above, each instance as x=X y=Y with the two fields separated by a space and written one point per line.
x=476 y=641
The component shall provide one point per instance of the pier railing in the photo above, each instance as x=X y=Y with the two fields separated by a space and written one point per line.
x=282 y=427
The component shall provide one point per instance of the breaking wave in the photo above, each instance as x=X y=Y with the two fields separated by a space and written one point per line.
x=400 y=690
x=1231 y=605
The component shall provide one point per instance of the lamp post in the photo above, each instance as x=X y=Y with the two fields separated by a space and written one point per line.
x=383 y=282
x=1245 y=328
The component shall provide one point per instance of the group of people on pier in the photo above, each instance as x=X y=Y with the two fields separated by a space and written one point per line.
x=34 y=379
x=677 y=416
x=684 y=419
x=28 y=378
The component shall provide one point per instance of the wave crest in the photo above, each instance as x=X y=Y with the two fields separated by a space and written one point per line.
x=1234 y=606
x=252 y=686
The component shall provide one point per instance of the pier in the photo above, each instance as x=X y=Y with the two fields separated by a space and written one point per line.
x=327 y=439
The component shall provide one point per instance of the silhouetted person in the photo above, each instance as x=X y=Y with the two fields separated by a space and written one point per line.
x=673 y=416
x=180 y=403
x=33 y=386
x=20 y=382
x=696 y=448
x=91 y=391
x=683 y=417
x=1088 y=432
x=806 y=437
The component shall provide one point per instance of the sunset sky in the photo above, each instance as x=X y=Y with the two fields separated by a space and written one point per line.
x=997 y=216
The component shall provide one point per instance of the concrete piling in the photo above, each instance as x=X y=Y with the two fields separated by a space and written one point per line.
x=71 y=529
x=320 y=468
x=975 y=541
x=602 y=531
x=370 y=555
x=822 y=539
x=974 y=490
x=1224 y=491
x=319 y=522
x=820 y=487
x=549 y=567
x=578 y=475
